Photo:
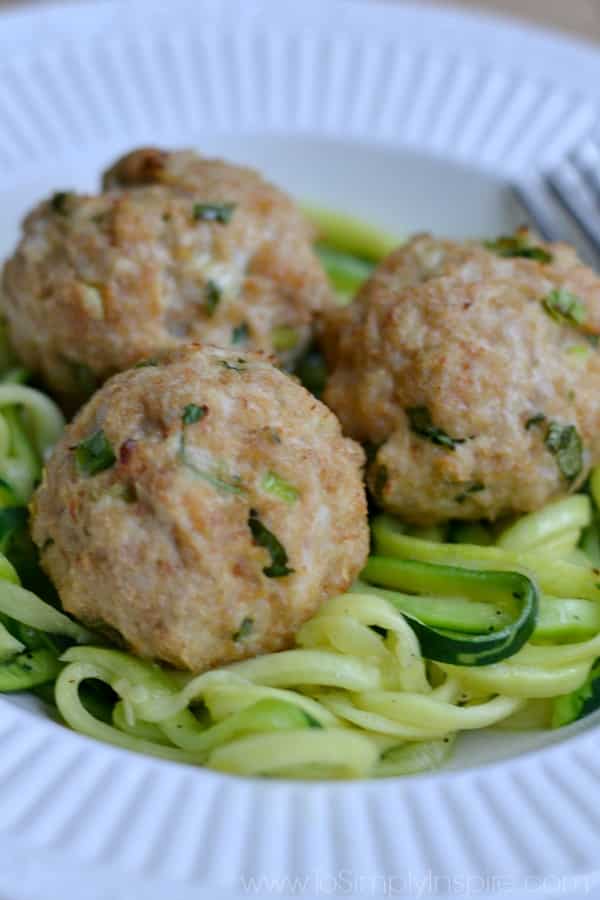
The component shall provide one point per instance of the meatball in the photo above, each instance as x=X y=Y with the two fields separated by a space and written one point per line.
x=179 y=248
x=202 y=507
x=472 y=372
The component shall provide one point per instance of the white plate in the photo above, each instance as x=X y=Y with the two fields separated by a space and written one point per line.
x=412 y=118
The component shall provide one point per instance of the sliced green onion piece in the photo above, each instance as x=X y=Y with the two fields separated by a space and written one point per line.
x=518 y=244
x=564 y=442
x=94 y=454
x=213 y=212
x=279 y=487
x=422 y=424
x=263 y=537
x=459 y=648
x=193 y=413
x=244 y=630
x=565 y=307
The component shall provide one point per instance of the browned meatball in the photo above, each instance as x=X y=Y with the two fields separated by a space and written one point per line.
x=473 y=372
x=203 y=507
x=179 y=248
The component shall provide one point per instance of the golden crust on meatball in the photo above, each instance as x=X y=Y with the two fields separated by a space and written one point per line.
x=203 y=507
x=473 y=372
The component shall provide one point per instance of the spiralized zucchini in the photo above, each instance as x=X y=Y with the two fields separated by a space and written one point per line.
x=348 y=249
x=448 y=629
x=351 y=701
x=357 y=698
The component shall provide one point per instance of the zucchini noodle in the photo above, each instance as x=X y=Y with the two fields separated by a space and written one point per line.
x=348 y=249
x=449 y=629
x=358 y=697
x=30 y=425
x=555 y=575
x=339 y=752
x=538 y=529
x=9 y=644
x=25 y=607
x=351 y=236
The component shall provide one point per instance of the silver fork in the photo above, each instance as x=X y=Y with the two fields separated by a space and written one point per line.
x=564 y=203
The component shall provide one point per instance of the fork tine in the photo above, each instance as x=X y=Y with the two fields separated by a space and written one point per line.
x=571 y=190
x=587 y=160
x=552 y=217
x=532 y=198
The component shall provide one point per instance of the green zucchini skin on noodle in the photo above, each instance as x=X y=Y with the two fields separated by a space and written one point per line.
x=29 y=670
x=453 y=646
x=585 y=700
